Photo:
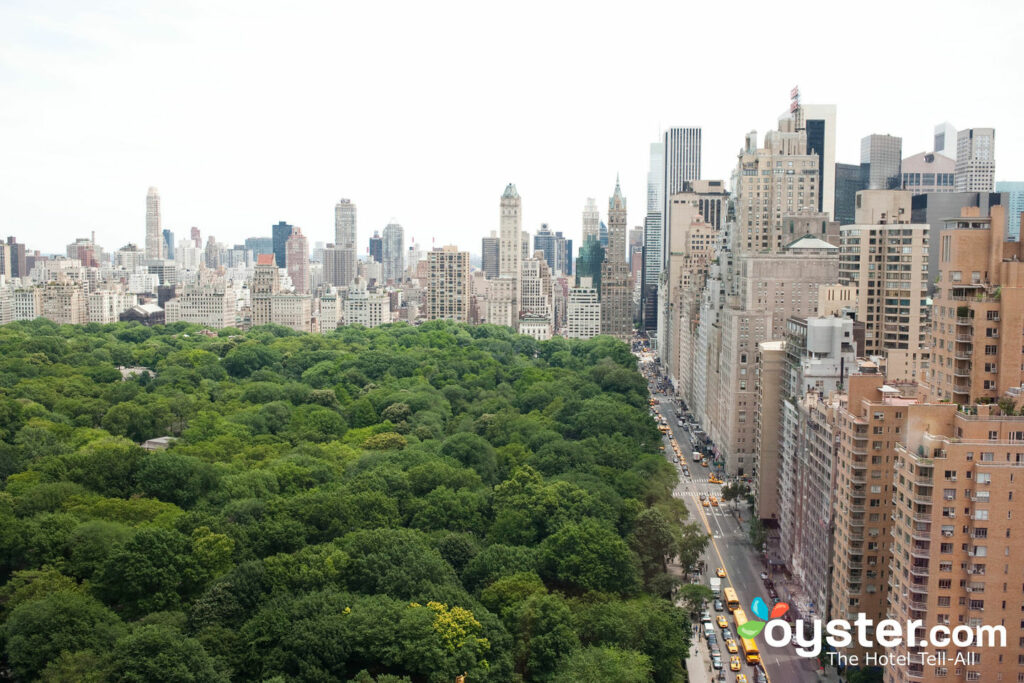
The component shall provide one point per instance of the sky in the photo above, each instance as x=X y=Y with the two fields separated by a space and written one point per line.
x=247 y=113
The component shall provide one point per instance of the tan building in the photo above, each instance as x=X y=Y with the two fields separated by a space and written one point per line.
x=209 y=304
x=885 y=258
x=616 y=300
x=296 y=250
x=872 y=421
x=266 y=282
x=448 y=288
x=294 y=311
x=957 y=554
x=771 y=366
x=979 y=311
x=535 y=297
x=64 y=302
x=928 y=172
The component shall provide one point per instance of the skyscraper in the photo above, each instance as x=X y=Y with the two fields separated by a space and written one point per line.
x=557 y=250
x=975 y=160
x=391 y=252
x=945 y=140
x=591 y=219
x=377 y=247
x=154 y=238
x=489 y=250
x=616 y=226
x=281 y=232
x=510 y=233
x=168 y=236
x=1015 y=194
x=297 y=260
x=18 y=264
x=448 y=287
x=682 y=158
x=588 y=263
x=880 y=157
x=197 y=239
x=848 y=183
x=345 y=240
x=652 y=237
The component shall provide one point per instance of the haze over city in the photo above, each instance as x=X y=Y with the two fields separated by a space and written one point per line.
x=247 y=115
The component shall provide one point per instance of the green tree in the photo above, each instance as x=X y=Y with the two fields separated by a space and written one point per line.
x=604 y=664
x=66 y=621
x=162 y=653
x=150 y=571
x=544 y=635
x=588 y=556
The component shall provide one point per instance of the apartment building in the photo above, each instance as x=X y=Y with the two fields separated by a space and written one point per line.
x=448 y=288
x=979 y=311
x=583 y=314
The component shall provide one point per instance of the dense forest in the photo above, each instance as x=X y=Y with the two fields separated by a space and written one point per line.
x=402 y=503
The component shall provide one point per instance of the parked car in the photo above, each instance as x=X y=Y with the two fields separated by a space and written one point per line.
x=719 y=607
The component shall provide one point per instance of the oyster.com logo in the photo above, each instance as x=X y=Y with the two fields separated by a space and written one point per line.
x=753 y=627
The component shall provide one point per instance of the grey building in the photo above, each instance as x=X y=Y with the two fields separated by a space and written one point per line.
x=168 y=236
x=1014 y=193
x=880 y=158
x=556 y=248
x=937 y=207
x=489 y=250
x=260 y=245
x=848 y=183
x=377 y=247
x=975 y=160
x=391 y=252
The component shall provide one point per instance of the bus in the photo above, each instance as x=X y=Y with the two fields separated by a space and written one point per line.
x=732 y=602
x=748 y=644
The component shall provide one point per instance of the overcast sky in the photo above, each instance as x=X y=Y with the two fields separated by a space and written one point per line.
x=246 y=113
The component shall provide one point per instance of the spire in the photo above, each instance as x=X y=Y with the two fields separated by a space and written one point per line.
x=510 y=192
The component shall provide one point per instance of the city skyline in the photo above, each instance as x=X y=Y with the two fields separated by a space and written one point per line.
x=224 y=149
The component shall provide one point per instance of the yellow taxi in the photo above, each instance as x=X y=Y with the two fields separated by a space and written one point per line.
x=730 y=645
x=722 y=621
x=714 y=501
x=734 y=663
x=741 y=678
x=720 y=573
x=705 y=503
x=714 y=480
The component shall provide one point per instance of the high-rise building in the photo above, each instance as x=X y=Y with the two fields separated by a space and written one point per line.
x=682 y=149
x=448 y=288
x=510 y=233
x=336 y=263
x=591 y=219
x=583 y=311
x=345 y=240
x=537 y=309
x=18 y=262
x=297 y=261
x=557 y=250
x=849 y=182
x=880 y=157
x=210 y=304
x=5 y=261
x=764 y=195
x=956 y=551
x=928 y=172
x=281 y=232
x=212 y=253
x=616 y=300
x=1014 y=193
x=819 y=122
x=197 y=239
x=886 y=257
x=945 y=140
x=935 y=208
x=976 y=160
x=266 y=282
x=154 y=238
x=168 y=247
x=489 y=251
x=392 y=253
x=652 y=238
x=979 y=311
x=259 y=245
x=617 y=227
x=377 y=247
x=369 y=309
x=588 y=263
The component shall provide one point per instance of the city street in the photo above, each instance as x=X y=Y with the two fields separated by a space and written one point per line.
x=731 y=549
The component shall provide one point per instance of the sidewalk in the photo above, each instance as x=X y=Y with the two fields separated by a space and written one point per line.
x=698 y=664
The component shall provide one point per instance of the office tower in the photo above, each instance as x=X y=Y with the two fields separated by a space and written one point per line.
x=682 y=147
x=266 y=282
x=616 y=300
x=448 y=288
x=928 y=172
x=557 y=250
x=510 y=233
x=945 y=140
x=5 y=261
x=168 y=246
x=336 y=264
x=886 y=257
x=819 y=122
x=588 y=263
x=591 y=219
x=297 y=260
x=871 y=423
x=602 y=234
x=880 y=157
x=377 y=247
x=153 y=235
x=635 y=241
x=489 y=255
x=583 y=311
x=1014 y=194
x=212 y=253
x=392 y=253
x=524 y=245
x=18 y=261
x=616 y=226
x=764 y=195
x=819 y=355
x=975 y=160
x=977 y=353
x=345 y=240
x=281 y=232
x=652 y=238
x=956 y=546
x=849 y=182
x=197 y=240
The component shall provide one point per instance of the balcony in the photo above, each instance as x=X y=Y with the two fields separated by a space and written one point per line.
x=966 y=322
x=965 y=338
x=922 y=572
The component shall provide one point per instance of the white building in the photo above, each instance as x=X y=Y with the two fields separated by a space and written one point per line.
x=583 y=317
x=976 y=160
x=366 y=308
x=211 y=305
